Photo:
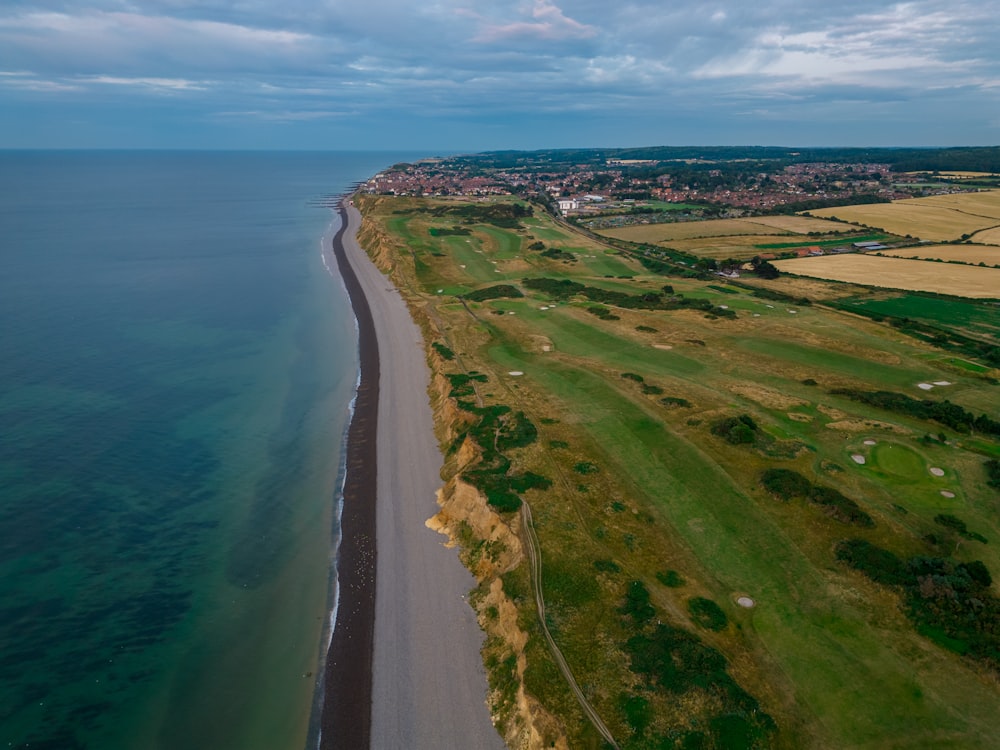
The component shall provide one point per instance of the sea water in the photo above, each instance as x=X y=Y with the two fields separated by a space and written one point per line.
x=176 y=368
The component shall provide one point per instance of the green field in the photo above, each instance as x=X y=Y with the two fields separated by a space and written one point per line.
x=641 y=486
x=975 y=318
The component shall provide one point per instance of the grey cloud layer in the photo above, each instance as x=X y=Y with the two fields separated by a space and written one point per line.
x=476 y=56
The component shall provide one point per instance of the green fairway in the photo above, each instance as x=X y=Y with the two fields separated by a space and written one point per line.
x=823 y=360
x=815 y=636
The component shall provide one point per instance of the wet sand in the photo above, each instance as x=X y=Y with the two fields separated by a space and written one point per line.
x=428 y=686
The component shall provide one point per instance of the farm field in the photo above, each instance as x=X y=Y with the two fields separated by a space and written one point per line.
x=972 y=254
x=968 y=317
x=647 y=497
x=736 y=246
x=763 y=225
x=899 y=273
x=936 y=218
x=736 y=238
x=988 y=236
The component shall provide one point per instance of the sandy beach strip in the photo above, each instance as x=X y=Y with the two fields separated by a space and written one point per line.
x=428 y=685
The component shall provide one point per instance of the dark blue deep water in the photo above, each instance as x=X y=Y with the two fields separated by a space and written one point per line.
x=176 y=365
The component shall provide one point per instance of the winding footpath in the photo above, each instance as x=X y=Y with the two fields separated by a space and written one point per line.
x=535 y=558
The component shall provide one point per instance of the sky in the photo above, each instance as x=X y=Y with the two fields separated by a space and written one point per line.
x=454 y=76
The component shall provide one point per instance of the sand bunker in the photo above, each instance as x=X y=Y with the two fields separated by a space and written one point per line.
x=937 y=472
x=662 y=346
x=858 y=458
x=515 y=373
x=746 y=601
x=949 y=495
x=941 y=382
x=870 y=442
x=924 y=386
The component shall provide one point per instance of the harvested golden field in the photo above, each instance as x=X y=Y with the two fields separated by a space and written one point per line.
x=800 y=224
x=686 y=230
x=732 y=246
x=899 y=273
x=959 y=175
x=988 y=236
x=985 y=203
x=973 y=254
x=914 y=217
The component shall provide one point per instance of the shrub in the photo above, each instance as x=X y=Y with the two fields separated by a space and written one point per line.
x=993 y=473
x=632 y=376
x=881 y=565
x=736 y=430
x=707 y=613
x=958 y=525
x=586 y=467
x=498 y=291
x=841 y=508
x=637 y=604
x=675 y=401
x=607 y=566
x=443 y=350
x=670 y=578
x=529 y=480
x=785 y=483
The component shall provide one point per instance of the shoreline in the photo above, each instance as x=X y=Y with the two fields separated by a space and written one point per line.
x=347 y=680
x=404 y=670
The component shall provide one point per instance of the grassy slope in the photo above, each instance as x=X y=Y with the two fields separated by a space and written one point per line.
x=828 y=653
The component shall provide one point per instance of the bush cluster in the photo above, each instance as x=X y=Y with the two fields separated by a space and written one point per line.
x=993 y=473
x=443 y=350
x=495 y=429
x=736 y=430
x=707 y=613
x=674 y=661
x=949 y=601
x=958 y=526
x=949 y=414
x=564 y=289
x=790 y=485
x=497 y=291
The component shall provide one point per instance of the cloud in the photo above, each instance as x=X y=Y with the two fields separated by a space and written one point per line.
x=548 y=23
x=566 y=63
x=90 y=40
x=162 y=84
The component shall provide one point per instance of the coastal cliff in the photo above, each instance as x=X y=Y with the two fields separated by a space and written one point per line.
x=488 y=544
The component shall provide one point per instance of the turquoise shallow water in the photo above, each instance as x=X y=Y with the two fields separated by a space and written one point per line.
x=175 y=370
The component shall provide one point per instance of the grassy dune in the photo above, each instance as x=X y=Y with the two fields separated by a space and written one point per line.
x=642 y=487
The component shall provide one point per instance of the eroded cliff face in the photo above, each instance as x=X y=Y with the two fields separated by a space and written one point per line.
x=491 y=547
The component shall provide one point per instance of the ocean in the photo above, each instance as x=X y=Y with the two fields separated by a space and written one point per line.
x=176 y=369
